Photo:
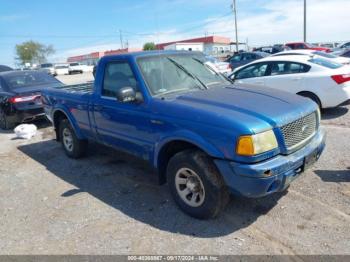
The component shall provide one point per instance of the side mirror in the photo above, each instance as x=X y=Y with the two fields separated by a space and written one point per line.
x=126 y=94
x=232 y=77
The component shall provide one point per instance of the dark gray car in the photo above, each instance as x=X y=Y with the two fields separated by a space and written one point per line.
x=244 y=58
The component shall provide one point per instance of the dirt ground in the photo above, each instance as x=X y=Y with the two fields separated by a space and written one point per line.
x=110 y=203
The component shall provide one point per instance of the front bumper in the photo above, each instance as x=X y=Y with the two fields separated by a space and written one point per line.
x=273 y=175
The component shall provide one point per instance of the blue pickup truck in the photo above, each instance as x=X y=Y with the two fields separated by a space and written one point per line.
x=205 y=137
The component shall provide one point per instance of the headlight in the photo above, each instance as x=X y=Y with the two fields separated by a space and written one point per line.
x=256 y=144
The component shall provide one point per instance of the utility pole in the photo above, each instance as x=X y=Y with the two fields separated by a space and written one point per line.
x=234 y=9
x=305 y=21
x=121 y=39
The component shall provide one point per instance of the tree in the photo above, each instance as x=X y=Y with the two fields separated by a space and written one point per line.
x=33 y=52
x=149 y=46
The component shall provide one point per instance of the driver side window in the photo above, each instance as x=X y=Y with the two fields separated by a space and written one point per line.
x=257 y=70
x=117 y=75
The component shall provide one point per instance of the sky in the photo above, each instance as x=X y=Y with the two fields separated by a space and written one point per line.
x=83 y=26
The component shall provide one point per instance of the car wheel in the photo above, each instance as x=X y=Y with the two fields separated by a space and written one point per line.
x=74 y=147
x=196 y=185
x=5 y=124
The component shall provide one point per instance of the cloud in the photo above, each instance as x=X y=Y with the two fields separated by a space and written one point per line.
x=274 y=21
x=282 y=21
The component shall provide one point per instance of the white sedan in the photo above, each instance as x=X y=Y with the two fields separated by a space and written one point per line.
x=334 y=58
x=61 y=69
x=325 y=82
x=221 y=67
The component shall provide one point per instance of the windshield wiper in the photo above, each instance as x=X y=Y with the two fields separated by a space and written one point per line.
x=211 y=69
x=187 y=72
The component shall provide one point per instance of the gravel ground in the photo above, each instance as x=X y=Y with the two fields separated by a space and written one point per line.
x=110 y=203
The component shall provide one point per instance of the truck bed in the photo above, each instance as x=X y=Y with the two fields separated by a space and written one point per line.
x=85 y=88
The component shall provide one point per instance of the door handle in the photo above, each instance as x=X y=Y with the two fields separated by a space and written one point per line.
x=259 y=82
x=296 y=78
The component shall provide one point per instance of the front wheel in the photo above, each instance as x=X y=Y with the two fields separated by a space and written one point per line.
x=196 y=185
x=74 y=147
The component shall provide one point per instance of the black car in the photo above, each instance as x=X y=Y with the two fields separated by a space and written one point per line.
x=4 y=68
x=244 y=58
x=20 y=99
x=272 y=49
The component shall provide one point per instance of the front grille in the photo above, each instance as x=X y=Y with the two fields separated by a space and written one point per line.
x=299 y=131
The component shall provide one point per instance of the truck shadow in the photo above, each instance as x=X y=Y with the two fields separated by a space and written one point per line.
x=130 y=186
x=336 y=176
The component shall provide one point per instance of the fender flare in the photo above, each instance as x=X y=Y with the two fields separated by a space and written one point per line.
x=189 y=137
x=71 y=120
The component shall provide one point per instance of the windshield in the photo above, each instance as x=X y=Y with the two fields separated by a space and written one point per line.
x=310 y=45
x=61 y=67
x=74 y=64
x=325 y=63
x=320 y=53
x=28 y=79
x=177 y=73
x=46 y=65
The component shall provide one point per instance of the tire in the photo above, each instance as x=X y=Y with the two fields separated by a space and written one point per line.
x=74 y=147
x=313 y=97
x=5 y=124
x=204 y=194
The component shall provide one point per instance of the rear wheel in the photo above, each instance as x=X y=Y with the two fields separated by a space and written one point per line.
x=74 y=147
x=196 y=185
x=5 y=124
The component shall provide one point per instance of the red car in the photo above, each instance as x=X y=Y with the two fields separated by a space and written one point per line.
x=302 y=45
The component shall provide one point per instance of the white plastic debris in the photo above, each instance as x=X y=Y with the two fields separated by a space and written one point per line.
x=25 y=131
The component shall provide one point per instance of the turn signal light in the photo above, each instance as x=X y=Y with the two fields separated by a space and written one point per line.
x=245 y=146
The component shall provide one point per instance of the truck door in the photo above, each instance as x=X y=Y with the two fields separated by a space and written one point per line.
x=125 y=126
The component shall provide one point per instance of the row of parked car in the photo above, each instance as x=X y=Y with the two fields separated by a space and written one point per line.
x=64 y=69
x=313 y=72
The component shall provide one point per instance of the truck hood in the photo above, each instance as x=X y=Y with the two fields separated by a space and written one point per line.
x=246 y=105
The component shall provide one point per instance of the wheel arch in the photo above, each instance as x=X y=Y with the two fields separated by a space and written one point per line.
x=169 y=147
x=60 y=114
x=310 y=94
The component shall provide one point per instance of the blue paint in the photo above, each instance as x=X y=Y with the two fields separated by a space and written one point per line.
x=211 y=119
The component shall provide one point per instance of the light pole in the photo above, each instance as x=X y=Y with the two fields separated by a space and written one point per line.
x=235 y=14
x=305 y=21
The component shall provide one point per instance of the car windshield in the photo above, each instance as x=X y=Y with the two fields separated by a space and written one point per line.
x=74 y=64
x=61 y=67
x=46 y=65
x=310 y=45
x=324 y=54
x=262 y=54
x=166 y=74
x=28 y=79
x=325 y=63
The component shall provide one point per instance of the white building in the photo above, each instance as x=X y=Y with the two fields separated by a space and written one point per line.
x=185 y=46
